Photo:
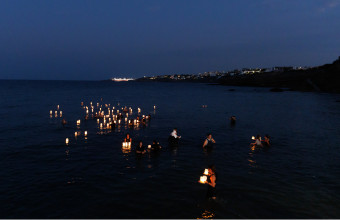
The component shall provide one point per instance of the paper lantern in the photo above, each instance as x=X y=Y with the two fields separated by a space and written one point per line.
x=206 y=172
x=66 y=141
x=203 y=179
x=253 y=138
x=85 y=133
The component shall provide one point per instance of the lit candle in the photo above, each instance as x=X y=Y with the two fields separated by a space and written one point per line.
x=66 y=141
x=203 y=179
x=206 y=172
x=85 y=133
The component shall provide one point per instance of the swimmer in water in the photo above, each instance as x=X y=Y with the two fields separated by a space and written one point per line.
x=63 y=122
x=233 y=120
x=209 y=141
x=127 y=138
x=257 y=142
x=140 y=149
x=266 y=141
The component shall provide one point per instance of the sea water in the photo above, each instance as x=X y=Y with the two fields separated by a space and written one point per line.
x=42 y=177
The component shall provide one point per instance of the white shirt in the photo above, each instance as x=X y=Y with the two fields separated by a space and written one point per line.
x=174 y=134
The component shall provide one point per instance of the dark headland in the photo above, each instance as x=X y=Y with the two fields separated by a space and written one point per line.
x=325 y=78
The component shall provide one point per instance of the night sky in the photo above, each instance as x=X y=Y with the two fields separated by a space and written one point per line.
x=96 y=40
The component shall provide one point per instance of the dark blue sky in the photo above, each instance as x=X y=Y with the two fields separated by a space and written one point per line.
x=89 y=40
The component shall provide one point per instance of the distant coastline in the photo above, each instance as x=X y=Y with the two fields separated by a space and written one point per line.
x=325 y=78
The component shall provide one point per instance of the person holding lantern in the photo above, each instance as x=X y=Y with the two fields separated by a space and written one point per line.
x=257 y=142
x=211 y=181
x=128 y=139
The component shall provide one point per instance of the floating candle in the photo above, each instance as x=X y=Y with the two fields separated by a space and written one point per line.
x=58 y=107
x=61 y=113
x=85 y=133
x=51 y=112
x=154 y=107
x=149 y=146
x=253 y=138
x=75 y=134
x=98 y=120
x=78 y=122
x=66 y=141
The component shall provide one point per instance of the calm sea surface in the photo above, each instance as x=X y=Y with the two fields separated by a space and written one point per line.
x=42 y=177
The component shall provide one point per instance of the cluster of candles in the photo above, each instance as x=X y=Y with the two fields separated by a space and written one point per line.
x=106 y=120
x=203 y=179
x=56 y=112
x=126 y=145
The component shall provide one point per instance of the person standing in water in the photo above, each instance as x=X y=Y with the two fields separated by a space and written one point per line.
x=128 y=139
x=174 y=138
x=209 y=141
x=140 y=149
x=211 y=181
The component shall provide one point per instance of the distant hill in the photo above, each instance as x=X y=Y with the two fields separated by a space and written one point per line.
x=324 y=78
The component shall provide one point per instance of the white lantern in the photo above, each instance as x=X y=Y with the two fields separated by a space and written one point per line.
x=206 y=172
x=98 y=120
x=125 y=119
x=51 y=112
x=203 y=179
x=85 y=133
x=78 y=122
x=154 y=107
x=253 y=138
x=149 y=146
x=61 y=113
x=101 y=125
x=66 y=141
x=58 y=107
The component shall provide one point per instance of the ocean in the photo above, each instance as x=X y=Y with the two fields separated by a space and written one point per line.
x=91 y=177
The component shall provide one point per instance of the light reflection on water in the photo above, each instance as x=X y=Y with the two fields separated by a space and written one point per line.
x=36 y=164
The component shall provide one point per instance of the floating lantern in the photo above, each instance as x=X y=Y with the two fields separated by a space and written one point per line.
x=125 y=119
x=75 y=134
x=135 y=121
x=92 y=110
x=253 y=137
x=119 y=121
x=101 y=125
x=78 y=122
x=154 y=107
x=58 y=107
x=98 y=120
x=82 y=103
x=87 y=111
x=203 y=179
x=61 y=113
x=51 y=112
x=66 y=141
x=126 y=145
x=117 y=111
x=56 y=112
x=108 y=125
x=206 y=172
x=149 y=146
x=90 y=103
x=85 y=133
